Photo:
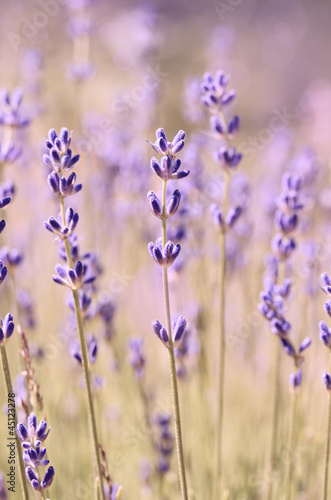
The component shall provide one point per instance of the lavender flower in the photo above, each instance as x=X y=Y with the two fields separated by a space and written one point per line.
x=136 y=357
x=60 y=157
x=11 y=258
x=164 y=442
x=61 y=229
x=6 y=329
x=286 y=217
x=326 y=377
x=165 y=253
x=92 y=346
x=32 y=435
x=10 y=109
x=73 y=278
x=166 y=256
x=62 y=186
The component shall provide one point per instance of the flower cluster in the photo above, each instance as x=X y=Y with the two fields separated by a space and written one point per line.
x=216 y=97
x=325 y=332
x=32 y=437
x=164 y=442
x=286 y=217
x=166 y=252
x=273 y=299
x=10 y=109
x=136 y=357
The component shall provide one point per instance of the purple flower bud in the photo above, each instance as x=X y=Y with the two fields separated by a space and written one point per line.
x=304 y=344
x=154 y=204
x=289 y=349
x=32 y=424
x=180 y=136
x=233 y=126
x=179 y=329
x=32 y=477
x=295 y=381
x=54 y=182
x=22 y=432
x=41 y=431
x=48 y=478
x=173 y=203
x=177 y=147
x=232 y=216
x=160 y=133
x=325 y=334
x=5 y=201
x=327 y=381
x=161 y=332
x=157 y=169
x=217 y=125
x=327 y=307
x=228 y=97
x=6 y=328
x=217 y=216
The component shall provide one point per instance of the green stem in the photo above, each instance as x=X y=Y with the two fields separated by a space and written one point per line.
x=220 y=361
x=274 y=424
x=85 y=363
x=9 y=388
x=327 y=451
x=172 y=361
x=276 y=401
x=290 y=448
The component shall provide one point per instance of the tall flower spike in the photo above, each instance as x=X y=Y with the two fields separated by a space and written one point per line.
x=76 y=274
x=165 y=253
x=216 y=96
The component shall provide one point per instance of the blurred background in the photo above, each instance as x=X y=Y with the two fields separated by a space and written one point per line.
x=113 y=73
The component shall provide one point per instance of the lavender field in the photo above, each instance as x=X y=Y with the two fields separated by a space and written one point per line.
x=165 y=250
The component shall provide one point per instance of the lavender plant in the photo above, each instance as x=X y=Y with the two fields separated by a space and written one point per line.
x=75 y=277
x=325 y=336
x=32 y=437
x=165 y=253
x=6 y=331
x=217 y=98
x=272 y=307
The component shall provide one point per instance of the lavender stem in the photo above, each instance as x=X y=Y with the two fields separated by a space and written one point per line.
x=9 y=387
x=220 y=361
x=172 y=362
x=85 y=362
x=289 y=450
x=277 y=393
x=327 y=451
